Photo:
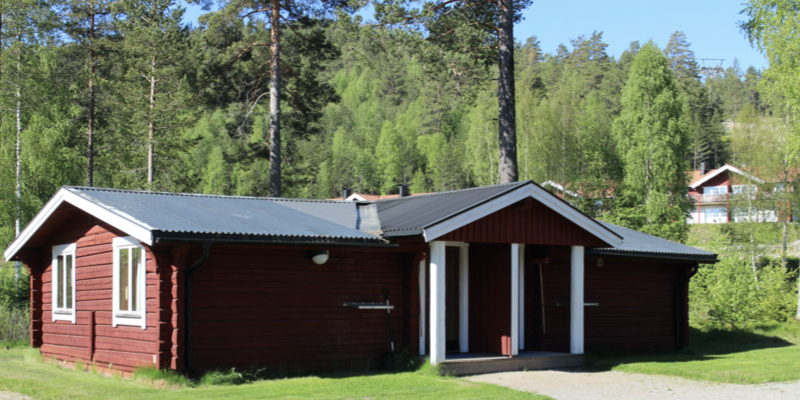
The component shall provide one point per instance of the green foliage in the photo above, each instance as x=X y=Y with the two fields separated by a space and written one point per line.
x=652 y=143
x=14 y=306
x=168 y=376
x=739 y=291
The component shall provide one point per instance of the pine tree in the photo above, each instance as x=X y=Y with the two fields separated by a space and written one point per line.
x=89 y=23
x=652 y=141
x=155 y=87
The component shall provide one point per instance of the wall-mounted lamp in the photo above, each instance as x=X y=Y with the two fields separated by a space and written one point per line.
x=319 y=256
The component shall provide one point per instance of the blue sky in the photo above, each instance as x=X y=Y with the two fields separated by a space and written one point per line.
x=710 y=26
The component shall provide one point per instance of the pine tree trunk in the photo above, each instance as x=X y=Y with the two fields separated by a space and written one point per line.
x=150 y=144
x=274 y=104
x=90 y=129
x=505 y=94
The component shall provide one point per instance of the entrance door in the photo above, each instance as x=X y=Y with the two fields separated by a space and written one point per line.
x=452 y=299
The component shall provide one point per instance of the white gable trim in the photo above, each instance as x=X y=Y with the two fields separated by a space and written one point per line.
x=109 y=215
x=721 y=170
x=537 y=193
x=355 y=197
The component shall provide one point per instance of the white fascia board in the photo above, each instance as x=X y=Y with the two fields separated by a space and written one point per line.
x=721 y=170
x=115 y=218
x=537 y=193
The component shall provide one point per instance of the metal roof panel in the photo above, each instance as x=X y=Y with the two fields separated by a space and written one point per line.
x=170 y=212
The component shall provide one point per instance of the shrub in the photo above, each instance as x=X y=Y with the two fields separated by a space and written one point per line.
x=14 y=306
x=732 y=294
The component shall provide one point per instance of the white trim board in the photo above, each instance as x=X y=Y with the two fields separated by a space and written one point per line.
x=537 y=193
x=726 y=167
x=109 y=215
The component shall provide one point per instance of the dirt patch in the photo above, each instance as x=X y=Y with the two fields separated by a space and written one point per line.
x=624 y=386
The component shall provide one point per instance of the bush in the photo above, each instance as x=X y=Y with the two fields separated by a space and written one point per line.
x=14 y=306
x=732 y=295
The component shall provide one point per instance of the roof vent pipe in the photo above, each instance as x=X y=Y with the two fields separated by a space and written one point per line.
x=404 y=191
x=346 y=192
x=702 y=168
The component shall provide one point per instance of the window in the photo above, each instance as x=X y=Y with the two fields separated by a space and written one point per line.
x=64 y=282
x=716 y=190
x=129 y=283
x=716 y=213
x=744 y=189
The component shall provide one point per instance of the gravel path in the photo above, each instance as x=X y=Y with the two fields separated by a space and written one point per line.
x=13 y=396
x=624 y=386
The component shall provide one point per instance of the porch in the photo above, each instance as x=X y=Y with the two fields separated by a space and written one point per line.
x=473 y=308
x=472 y=364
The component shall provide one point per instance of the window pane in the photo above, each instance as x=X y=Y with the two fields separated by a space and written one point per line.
x=135 y=279
x=58 y=287
x=123 y=280
x=68 y=281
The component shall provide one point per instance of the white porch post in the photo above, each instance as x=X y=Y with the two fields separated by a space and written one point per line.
x=521 y=296
x=464 y=309
x=576 y=302
x=514 y=299
x=422 y=307
x=437 y=323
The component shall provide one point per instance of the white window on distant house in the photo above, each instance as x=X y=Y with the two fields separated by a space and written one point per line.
x=716 y=214
x=129 y=299
x=744 y=189
x=716 y=190
x=63 y=282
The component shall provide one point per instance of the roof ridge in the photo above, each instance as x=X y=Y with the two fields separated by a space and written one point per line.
x=134 y=191
x=518 y=183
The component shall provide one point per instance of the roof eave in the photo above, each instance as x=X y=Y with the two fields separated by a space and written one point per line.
x=701 y=258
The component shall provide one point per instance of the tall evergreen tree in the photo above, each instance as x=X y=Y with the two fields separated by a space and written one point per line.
x=652 y=141
x=154 y=90
x=89 y=23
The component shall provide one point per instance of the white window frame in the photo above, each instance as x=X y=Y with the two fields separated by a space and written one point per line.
x=715 y=190
x=119 y=317
x=66 y=313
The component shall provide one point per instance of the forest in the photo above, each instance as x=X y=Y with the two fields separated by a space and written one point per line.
x=124 y=94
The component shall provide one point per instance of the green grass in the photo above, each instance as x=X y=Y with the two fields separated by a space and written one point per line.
x=766 y=353
x=22 y=372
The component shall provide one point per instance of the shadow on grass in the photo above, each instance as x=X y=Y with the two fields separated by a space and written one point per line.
x=705 y=344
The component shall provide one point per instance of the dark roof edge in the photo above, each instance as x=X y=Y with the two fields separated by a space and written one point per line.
x=402 y=232
x=711 y=258
x=184 y=237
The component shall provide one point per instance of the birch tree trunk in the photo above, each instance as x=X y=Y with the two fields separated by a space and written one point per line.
x=90 y=129
x=150 y=144
x=274 y=104
x=505 y=93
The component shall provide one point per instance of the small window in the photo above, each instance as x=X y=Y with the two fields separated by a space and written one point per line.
x=715 y=190
x=63 y=282
x=129 y=299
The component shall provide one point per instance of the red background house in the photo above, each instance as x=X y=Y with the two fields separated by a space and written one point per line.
x=193 y=282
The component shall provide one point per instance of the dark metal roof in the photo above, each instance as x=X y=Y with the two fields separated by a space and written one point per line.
x=174 y=216
x=409 y=215
x=638 y=244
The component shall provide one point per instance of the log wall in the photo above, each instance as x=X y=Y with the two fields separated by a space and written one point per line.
x=92 y=339
x=273 y=307
x=636 y=303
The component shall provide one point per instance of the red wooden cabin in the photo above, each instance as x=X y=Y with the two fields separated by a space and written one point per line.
x=483 y=279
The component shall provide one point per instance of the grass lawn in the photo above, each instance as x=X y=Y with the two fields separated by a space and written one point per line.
x=47 y=381
x=767 y=353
